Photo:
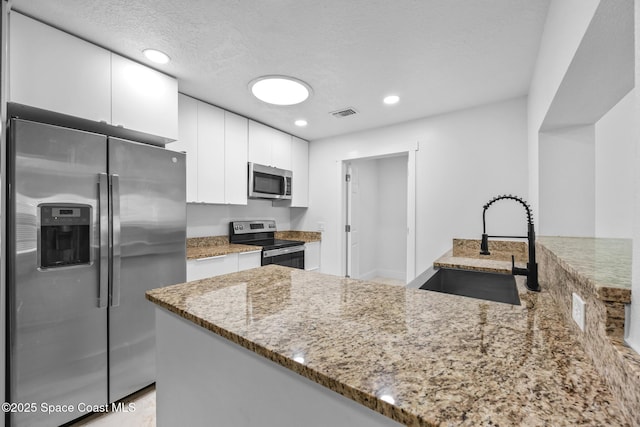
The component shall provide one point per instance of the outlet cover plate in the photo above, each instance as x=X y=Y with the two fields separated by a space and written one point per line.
x=577 y=311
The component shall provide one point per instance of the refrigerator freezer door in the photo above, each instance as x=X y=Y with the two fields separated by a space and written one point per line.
x=152 y=217
x=57 y=331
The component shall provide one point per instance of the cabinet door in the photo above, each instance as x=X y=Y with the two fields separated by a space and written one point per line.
x=209 y=267
x=210 y=153
x=236 y=157
x=247 y=260
x=300 y=168
x=260 y=137
x=188 y=142
x=280 y=149
x=143 y=99
x=53 y=70
x=312 y=256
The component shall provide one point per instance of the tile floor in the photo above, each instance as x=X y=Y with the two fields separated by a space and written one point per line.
x=143 y=416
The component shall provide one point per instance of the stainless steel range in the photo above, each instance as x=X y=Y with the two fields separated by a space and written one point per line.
x=289 y=253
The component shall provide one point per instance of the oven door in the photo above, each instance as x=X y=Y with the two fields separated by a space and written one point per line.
x=292 y=256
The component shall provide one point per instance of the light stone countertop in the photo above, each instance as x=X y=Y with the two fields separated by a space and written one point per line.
x=604 y=263
x=445 y=359
x=205 y=247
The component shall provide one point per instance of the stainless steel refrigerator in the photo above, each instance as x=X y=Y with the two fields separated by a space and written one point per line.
x=94 y=222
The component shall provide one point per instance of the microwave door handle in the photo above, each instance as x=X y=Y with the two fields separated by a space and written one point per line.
x=103 y=225
x=115 y=240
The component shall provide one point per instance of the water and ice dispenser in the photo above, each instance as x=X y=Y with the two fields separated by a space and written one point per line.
x=64 y=235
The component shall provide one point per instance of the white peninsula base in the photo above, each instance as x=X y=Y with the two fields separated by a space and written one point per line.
x=206 y=380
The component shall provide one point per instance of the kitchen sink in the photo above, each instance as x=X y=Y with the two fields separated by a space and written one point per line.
x=475 y=284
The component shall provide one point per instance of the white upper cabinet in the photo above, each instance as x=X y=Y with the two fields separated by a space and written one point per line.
x=260 y=143
x=55 y=71
x=211 y=161
x=281 y=150
x=300 y=169
x=188 y=142
x=215 y=141
x=236 y=152
x=268 y=146
x=143 y=99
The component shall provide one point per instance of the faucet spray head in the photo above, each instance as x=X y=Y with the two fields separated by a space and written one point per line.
x=484 y=245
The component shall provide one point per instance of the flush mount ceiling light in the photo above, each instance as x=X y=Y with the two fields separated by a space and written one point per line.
x=301 y=123
x=391 y=99
x=156 y=56
x=280 y=90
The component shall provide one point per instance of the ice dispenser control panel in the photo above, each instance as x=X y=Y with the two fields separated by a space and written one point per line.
x=64 y=235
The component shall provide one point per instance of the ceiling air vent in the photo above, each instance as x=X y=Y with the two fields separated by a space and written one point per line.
x=344 y=113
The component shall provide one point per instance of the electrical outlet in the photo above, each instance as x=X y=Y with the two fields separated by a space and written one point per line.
x=577 y=311
x=320 y=226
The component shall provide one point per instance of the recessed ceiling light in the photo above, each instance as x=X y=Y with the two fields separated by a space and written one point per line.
x=156 y=56
x=391 y=99
x=280 y=90
x=301 y=122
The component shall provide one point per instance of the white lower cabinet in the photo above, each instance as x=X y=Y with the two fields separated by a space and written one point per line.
x=248 y=260
x=202 y=268
x=312 y=256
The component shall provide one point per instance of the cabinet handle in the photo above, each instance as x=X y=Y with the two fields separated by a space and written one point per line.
x=250 y=252
x=210 y=257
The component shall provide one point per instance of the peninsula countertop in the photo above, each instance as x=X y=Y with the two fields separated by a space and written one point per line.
x=442 y=359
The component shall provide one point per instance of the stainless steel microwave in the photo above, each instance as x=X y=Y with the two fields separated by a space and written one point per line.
x=266 y=182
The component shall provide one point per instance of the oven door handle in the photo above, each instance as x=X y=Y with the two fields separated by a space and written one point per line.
x=282 y=251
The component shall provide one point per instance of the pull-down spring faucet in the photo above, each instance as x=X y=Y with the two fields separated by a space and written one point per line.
x=532 y=266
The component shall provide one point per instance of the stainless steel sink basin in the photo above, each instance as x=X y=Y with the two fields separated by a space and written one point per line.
x=475 y=284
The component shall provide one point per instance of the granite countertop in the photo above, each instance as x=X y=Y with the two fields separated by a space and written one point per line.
x=442 y=359
x=605 y=264
x=205 y=247
x=465 y=254
x=448 y=260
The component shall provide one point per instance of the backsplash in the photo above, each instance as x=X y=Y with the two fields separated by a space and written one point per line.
x=200 y=242
x=213 y=220
x=501 y=250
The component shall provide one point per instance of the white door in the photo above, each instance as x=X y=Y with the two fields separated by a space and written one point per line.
x=353 y=248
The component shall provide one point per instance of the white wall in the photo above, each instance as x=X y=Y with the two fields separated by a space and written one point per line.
x=567 y=182
x=615 y=162
x=391 y=233
x=566 y=24
x=213 y=220
x=464 y=159
x=365 y=218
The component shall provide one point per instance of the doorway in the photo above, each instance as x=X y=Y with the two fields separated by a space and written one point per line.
x=376 y=219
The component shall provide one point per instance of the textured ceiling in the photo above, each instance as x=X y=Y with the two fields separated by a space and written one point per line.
x=437 y=55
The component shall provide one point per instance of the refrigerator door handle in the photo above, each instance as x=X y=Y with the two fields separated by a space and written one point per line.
x=103 y=213
x=115 y=239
